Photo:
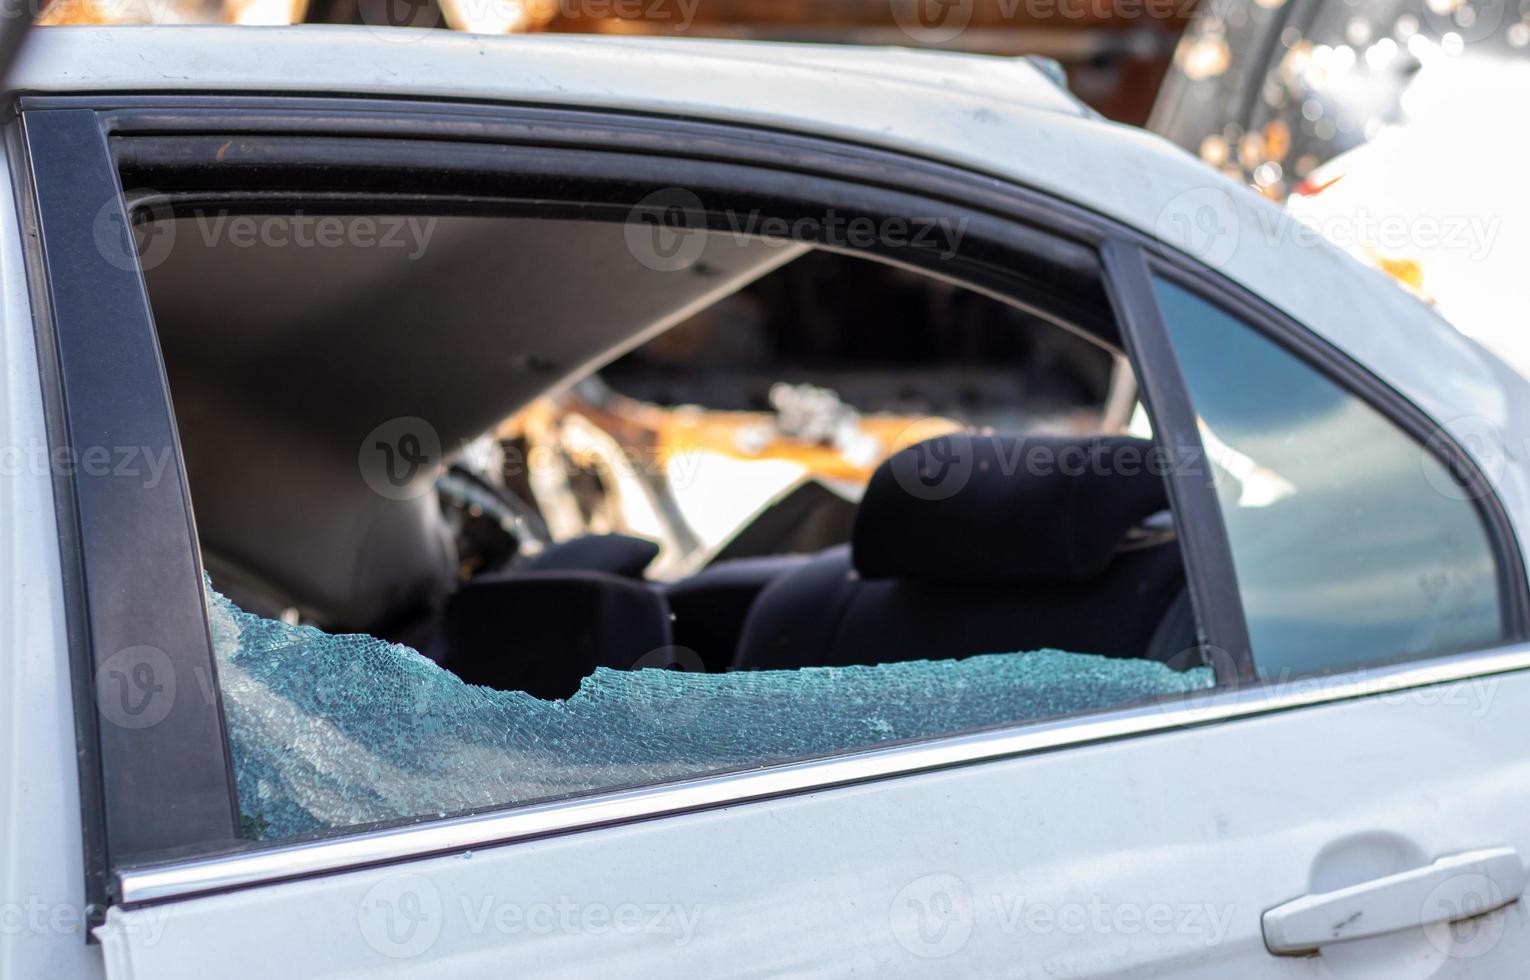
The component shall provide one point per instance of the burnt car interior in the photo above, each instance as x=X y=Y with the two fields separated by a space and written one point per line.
x=873 y=427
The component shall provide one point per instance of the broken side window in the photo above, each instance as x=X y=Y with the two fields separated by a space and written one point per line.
x=331 y=731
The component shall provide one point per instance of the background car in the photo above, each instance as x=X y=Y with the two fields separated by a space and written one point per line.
x=1383 y=127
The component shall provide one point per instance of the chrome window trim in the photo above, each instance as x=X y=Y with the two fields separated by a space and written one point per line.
x=283 y=862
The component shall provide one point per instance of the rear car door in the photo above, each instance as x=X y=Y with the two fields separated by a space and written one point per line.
x=1345 y=802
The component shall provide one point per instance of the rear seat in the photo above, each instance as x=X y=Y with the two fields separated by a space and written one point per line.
x=1014 y=556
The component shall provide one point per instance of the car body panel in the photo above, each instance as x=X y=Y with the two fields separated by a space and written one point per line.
x=1152 y=856
x=42 y=904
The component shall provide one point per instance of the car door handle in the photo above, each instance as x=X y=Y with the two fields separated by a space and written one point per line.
x=1457 y=887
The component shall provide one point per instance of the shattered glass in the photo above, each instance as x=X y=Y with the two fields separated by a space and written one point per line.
x=331 y=731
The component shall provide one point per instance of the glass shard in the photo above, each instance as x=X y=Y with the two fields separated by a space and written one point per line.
x=331 y=731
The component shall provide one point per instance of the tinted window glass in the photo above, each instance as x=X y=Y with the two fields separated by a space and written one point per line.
x=1352 y=543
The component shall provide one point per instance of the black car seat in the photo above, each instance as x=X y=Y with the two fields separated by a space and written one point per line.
x=542 y=632
x=969 y=544
x=710 y=607
x=614 y=554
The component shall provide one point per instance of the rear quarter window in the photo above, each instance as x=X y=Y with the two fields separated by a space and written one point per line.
x=1352 y=543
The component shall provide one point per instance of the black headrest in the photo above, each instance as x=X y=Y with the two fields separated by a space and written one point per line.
x=542 y=632
x=1005 y=508
x=615 y=554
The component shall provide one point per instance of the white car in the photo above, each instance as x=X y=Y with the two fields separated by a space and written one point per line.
x=1228 y=680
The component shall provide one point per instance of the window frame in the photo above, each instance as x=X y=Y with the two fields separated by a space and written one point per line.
x=119 y=595
x=214 y=861
x=1212 y=579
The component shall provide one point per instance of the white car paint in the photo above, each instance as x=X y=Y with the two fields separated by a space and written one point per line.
x=1146 y=856
x=42 y=913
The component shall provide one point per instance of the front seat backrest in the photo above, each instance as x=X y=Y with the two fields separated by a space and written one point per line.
x=544 y=632
x=970 y=544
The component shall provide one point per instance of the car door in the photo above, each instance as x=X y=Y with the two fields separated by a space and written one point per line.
x=1351 y=808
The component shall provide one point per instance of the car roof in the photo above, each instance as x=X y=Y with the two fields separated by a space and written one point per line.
x=559 y=68
x=1000 y=116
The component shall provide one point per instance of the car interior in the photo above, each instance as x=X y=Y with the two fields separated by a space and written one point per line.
x=779 y=457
